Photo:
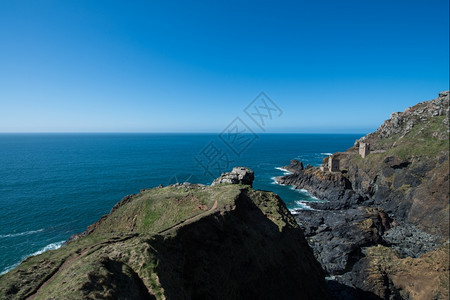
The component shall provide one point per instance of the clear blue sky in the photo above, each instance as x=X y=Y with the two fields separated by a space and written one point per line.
x=174 y=66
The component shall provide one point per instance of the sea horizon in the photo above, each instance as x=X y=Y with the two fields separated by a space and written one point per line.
x=56 y=184
x=175 y=132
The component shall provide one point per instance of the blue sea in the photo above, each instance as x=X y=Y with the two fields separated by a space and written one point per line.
x=55 y=185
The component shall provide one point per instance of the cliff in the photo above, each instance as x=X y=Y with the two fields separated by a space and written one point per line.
x=183 y=241
x=387 y=204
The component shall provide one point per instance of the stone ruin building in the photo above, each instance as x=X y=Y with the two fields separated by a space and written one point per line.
x=364 y=149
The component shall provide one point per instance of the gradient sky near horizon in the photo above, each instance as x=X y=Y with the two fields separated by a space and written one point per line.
x=179 y=66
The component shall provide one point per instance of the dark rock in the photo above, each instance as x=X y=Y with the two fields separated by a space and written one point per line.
x=406 y=180
x=404 y=239
x=294 y=166
x=387 y=172
x=422 y=168
x=395 y=162
x=337 y=236
x=347 y=291
x=391 y=205
x=334 y=187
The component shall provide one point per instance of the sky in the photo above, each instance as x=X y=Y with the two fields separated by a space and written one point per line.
x=194 y=66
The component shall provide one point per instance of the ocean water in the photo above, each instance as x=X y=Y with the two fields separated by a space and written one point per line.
x=55 y=185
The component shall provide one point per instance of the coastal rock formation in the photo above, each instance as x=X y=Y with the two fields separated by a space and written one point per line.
x=294 y=166
x=402 y=123
x=383 y=232
x=239 y=175
x=333 y=186
x=337 y=238
x=184 y=241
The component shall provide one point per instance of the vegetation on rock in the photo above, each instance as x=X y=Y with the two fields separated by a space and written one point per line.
x=387 y=214
x=183 y=241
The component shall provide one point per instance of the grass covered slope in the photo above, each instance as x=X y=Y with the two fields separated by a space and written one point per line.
x=225 y=241
x=399 y=250
x=407 y=170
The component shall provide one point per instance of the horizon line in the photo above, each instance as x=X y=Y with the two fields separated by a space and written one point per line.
x=166 y=132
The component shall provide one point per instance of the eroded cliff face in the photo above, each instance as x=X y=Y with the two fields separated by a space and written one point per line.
x=407 y=171
x=396 y=198
x=225 y=241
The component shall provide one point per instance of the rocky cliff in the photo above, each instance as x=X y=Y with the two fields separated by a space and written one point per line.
x=184 y=241
x=383 y=232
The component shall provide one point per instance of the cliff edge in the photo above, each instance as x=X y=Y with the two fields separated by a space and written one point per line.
x=384 y=229
x=184 y=241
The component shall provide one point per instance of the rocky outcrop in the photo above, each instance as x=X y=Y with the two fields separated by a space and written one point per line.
x=294 y=166
x=337 y=238
x=331 y=186
x=391 y=276
x=183 y=241
x=239 y=175
x=386 y=209
x=406 y=175
x=402 y=123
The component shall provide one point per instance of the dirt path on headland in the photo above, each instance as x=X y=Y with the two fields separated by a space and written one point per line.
x=190 y=219
x=70 y=260
x=63 y=266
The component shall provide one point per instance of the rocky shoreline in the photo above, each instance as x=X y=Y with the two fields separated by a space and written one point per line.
x=342 y=229
x=382 y=232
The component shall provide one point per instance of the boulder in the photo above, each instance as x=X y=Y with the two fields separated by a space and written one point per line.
x=239 y=175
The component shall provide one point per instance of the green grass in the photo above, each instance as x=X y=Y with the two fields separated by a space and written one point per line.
x=158 y=209
x=128 y=236
x=267 y=202
x=419 y=141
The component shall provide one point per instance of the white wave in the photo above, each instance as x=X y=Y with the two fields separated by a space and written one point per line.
x=292 y=210
x=274 y=181
x=303 y=205
x=300 y=205
x=52 y=246
x=20 y=233
x=7 y=269
x=286 y=172
x=304 y=191
x=326 y=153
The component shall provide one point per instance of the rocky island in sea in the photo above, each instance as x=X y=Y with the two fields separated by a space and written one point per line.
x=384 y=231
x=184 y=241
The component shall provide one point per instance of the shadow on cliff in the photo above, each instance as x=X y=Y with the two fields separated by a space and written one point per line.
x=235 y=254
x=341 y=291
x=114 y=278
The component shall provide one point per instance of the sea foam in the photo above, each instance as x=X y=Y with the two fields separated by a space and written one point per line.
x=300 y=205
x=20 y=233
x=286 y=172
x=52 y=246
x=304 y=191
